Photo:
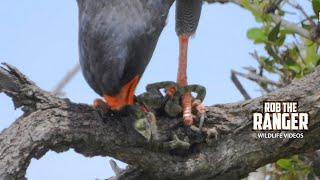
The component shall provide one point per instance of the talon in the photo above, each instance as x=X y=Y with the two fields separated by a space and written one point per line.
x=199 y=107
x=200 y=111
x=202 y=117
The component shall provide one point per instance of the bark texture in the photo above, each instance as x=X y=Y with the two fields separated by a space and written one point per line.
x=52 y=123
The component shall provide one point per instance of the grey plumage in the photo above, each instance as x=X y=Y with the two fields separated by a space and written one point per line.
x=117 y=39
x=187 y=16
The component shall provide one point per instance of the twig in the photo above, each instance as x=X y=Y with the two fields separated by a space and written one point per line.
x=67 y=78
x=256 y=57
x=116 y=169
x=276 y=19
x=299 y=8
x=239 y=86
x=257 y=78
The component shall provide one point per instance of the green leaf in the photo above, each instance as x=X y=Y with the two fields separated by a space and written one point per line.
x=285 y=164
x=268 y=65
x=305 y=25
x=247 y=4
x=290 y=61
x=312 y=56
x=295 y=68
x=273 y=35
x=272 y=53
x=318 y=62
x=279 y=42
x=287 y=31
x=316 y=6
x=257 y=35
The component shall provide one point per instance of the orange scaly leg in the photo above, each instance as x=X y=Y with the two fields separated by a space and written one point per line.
x=182 y=79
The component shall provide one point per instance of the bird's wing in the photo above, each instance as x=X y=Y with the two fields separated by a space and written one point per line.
x=117 y=39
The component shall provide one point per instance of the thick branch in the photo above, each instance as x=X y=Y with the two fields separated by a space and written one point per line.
x=51 y=123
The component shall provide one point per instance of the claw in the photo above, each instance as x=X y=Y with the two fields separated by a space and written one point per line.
x=200 y=111
x=202 y=117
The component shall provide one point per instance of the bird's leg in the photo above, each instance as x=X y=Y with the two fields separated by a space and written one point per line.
x=182 y=79
x=197 y=106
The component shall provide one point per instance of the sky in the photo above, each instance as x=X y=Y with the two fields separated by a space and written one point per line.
x=41 y=40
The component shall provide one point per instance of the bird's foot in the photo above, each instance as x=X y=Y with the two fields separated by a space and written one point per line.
x=100 y=105
x=176 y=101
x=183 y=102
x=192 y=106
x=176 y=143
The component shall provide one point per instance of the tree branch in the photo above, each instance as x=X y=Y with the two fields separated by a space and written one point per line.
x=65 y=80
x=277 y=19
x=238 y=85
x=52 y=123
